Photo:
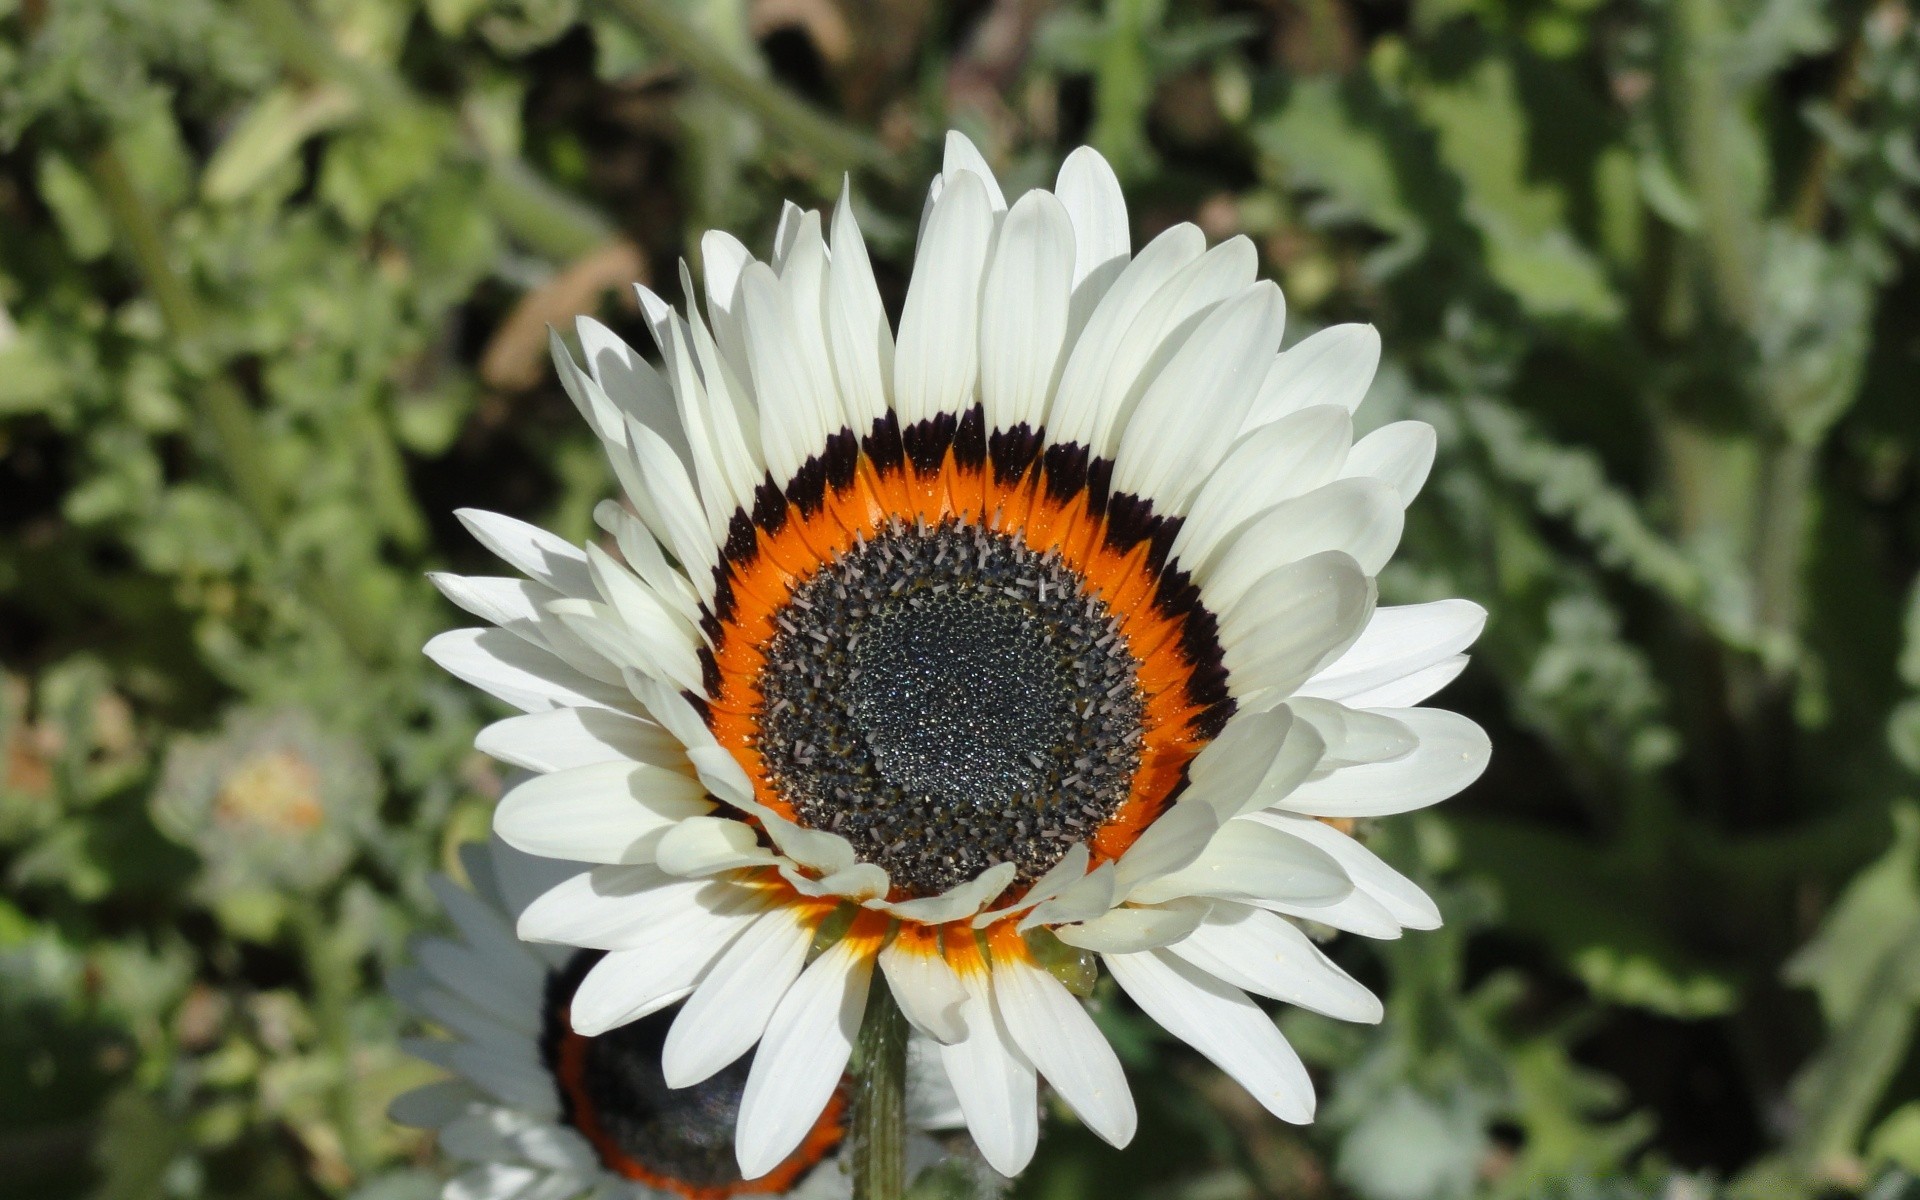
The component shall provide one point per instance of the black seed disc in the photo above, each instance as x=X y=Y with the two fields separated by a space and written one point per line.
x=946 y=699
x=683 y=1134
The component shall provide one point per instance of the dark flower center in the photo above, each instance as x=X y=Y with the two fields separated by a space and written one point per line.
x=946 y=699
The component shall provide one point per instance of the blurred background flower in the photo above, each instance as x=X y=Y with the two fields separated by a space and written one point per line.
x=276 y=276
x=275 y=808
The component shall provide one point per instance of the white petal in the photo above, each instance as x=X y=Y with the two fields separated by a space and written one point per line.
x=1221 y=1023
x=578 y=737
x=995 y=1083
x=676 y=506
x=802 y=1056
x=1071 y=869
x=722 y=259
x=730 y=1008
x=1269 y=956
x=668 y=638
x=711 y=479
x=1062 y=1042
x=717 y=768
x=1023 y=312
x=1102 y=234
x=629 y=984
x=927 y=990
x=1247 y=860
x=961 y=900
x=607 y=908
x=1176 y=837
x=1136 y=927
x=1410 y=690
x=1084 y=900
x=936 y=363
x=1188 y=415
x=861 y=338
x=1163 y=327
x=518 y=672
x=530 y=549
x=1361 y=518
x=931 y=1104
x=730 y=421
x=1293 y=622
x=1359 y=913
x=1401 y=896
x=795 y=223
x=963 y=155
x=1453 y=751
x=487 y=930
x=1334 y=366
x=606 y=813
x=492 y=1181
x=645 y=556
x=470 y=1014
x=498 y=600
x=1399 y=455
x=663 y=963
x=1398 y=642
x=860 y=882
x=1227 y=771
x=1082 y=404
x=432 y=1105
x=518 y=879
x=1298 y=756
x=792 y=374
x=1351 y=735
x=630 y=382
x=707 y=845
x=1273 y=463
x=522 y=1084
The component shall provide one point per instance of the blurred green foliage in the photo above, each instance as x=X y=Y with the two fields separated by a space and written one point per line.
x=274 y=277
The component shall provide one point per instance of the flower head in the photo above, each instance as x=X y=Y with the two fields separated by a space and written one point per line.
x=1050 y=619
x=536 y=1108
x=272 y=802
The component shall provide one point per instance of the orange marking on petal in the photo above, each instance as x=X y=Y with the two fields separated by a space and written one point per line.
x=961 y=949
x=1005 y=943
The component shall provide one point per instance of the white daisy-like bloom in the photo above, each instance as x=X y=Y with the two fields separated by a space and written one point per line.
x=536 y=1111
x=1042 y=625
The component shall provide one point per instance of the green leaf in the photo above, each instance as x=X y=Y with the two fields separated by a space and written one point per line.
x=1321 y=141
x=1484 y=136
x=1897 y=1139
x=269 y=134
x=1878 y=913
x=81 y=216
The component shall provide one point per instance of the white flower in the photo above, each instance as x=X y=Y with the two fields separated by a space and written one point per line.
x=535 y=1111
x=1050 y=617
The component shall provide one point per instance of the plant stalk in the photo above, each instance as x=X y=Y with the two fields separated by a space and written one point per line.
x=878 y=1123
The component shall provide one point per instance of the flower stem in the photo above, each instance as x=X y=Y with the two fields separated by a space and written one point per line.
x=878 y=1125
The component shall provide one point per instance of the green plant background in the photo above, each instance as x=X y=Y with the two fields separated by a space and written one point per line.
x=274 y=279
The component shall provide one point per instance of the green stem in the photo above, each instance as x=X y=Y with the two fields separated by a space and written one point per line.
x=837 y=146
x=333 y=975
x=879 y=1120
x=1707 y=120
